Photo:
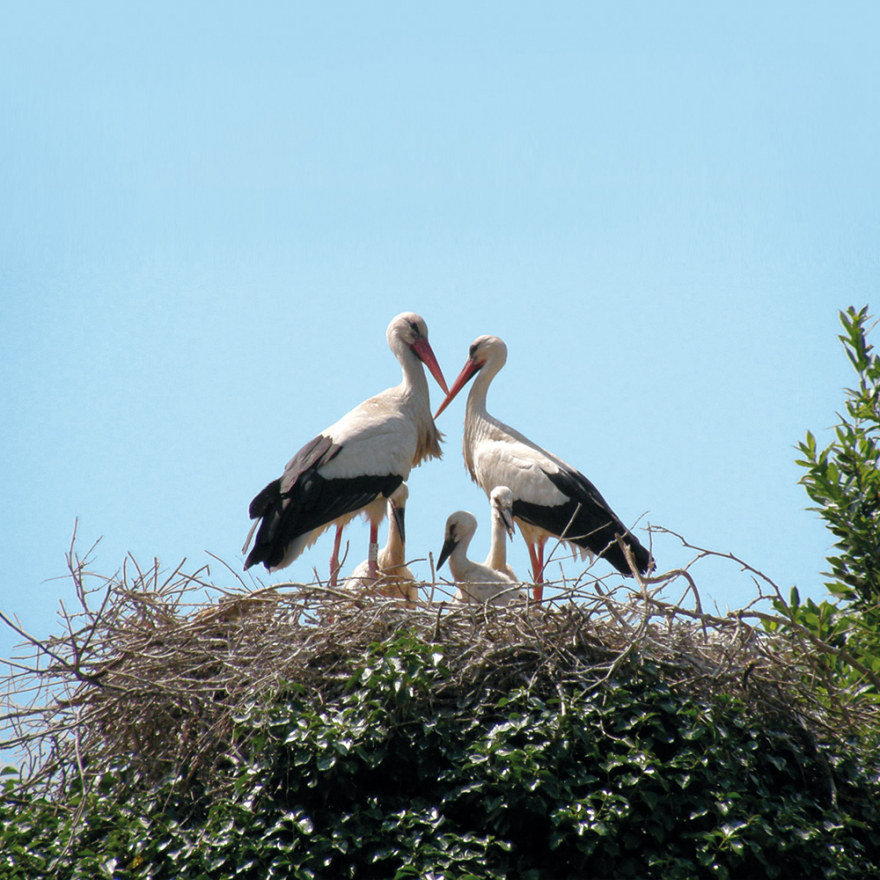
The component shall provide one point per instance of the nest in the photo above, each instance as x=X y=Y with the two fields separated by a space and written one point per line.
x=153 y=669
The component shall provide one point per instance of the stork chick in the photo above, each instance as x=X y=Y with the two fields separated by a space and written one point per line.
x=477 y=582
x=393 y=578
x=501 y=503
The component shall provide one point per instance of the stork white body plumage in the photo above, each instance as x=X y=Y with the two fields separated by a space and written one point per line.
x=393 y=578
x=354 y=465
x=479 y=581
x=551 y=498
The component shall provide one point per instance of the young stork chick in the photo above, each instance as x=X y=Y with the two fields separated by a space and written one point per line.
x=354 y=465
x=501 y=501
x=477 y=582
x=551 y=499
x=393 y=579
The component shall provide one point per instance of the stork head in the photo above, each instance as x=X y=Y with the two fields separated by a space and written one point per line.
x=501 y=499
x=409 y=331
x=397 y=509
x=486 y=352
x=460 y=528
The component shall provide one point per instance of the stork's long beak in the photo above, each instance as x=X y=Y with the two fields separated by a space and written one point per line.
x=467 y=373
x=448 y=547
x=507 y=520
x=399 y=513
x=426 y=355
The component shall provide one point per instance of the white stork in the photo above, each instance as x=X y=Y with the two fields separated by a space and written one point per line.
x=394 y=578
x=355 y=464
x=480 y=582
x=551 y=498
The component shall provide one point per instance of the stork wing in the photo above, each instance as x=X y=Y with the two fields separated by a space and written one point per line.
x=302 y=500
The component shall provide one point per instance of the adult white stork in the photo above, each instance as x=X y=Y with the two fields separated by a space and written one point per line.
x=551 y=498
x=479 y=582
x=355 y=464
x=394 y=578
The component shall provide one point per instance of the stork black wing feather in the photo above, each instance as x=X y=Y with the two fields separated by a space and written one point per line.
x=585 y=519
x=302 y=500
x=315 y=453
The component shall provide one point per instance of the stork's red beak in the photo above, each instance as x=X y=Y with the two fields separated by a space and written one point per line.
x=426 y=355
x=466 y=374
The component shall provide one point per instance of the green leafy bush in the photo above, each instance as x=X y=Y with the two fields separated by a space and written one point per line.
x=620 y=778
x=843 y=479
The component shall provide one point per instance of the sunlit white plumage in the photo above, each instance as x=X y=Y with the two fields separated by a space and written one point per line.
x=551 y=498
x=355 y=464
x=393 y=578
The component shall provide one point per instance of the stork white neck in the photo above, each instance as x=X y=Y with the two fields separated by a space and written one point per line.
x=465 y=527
x=407 y=337
x=501 y=502
x=414 y=383
x=489 y=354
x=394 y=552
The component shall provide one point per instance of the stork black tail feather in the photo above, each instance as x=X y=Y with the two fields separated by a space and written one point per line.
x=586 y=520
x=266 y=507
x=310 y=503
x=594 y=530
x=595 y=525
x=614 y=554
x=265 y=499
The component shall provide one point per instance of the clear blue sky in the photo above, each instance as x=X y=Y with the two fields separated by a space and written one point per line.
x=210 y=213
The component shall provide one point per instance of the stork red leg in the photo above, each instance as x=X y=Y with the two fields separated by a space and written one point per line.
x=374 y=549
x=536 y=554
x=334 y=559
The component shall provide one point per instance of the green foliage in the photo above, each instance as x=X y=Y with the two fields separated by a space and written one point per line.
x=614 y=779
x=844 y=481
x=844 y=478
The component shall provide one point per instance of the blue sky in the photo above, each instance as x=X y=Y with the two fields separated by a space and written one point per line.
x=212 y=211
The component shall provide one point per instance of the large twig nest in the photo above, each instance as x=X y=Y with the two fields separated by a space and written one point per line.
x=149 y=673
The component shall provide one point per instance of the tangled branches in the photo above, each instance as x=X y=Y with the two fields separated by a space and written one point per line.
x=148 y=671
